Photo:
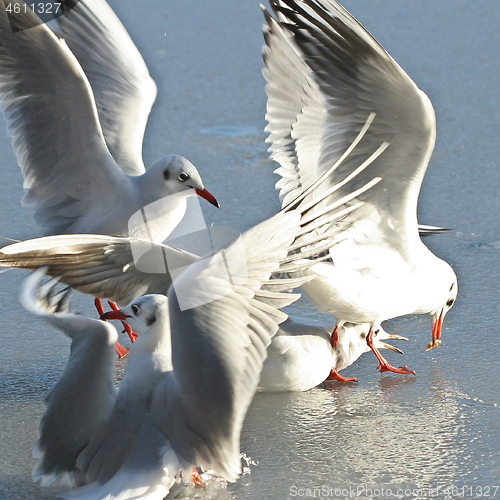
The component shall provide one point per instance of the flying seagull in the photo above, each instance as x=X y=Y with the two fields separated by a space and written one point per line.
x=335 y=96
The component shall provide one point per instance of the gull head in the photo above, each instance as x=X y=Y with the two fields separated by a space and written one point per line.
x=147 y=315
x=352 y=342
x=174 y=174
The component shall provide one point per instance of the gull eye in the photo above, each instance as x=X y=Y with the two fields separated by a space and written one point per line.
x=183 y=176
x=450 y=302
x=135 y=309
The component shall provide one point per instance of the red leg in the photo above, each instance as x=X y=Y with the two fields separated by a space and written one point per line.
x=335 y=375
x=126 y=327
x=384 y=366
x=197 y=479
x=334 y=339
x=98 y=306
x=120 y=350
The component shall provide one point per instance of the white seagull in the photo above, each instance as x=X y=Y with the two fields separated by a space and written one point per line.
x=334 y=97
x=80 y=147
x=92 y=432
x=302 y=356
x=223 y=311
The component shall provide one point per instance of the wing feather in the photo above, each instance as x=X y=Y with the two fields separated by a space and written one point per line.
x=123 y=88
x=102 y=266
x=80 y=403
x=345 y=76
x=52 y=117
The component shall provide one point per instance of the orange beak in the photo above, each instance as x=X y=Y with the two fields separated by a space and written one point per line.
x=206 y=195
x=437 y=328
x=115 y=315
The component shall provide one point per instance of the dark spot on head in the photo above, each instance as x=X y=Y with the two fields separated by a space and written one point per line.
x=363 y=335
x=166 y=174
x=451 y=287
x=150 y=320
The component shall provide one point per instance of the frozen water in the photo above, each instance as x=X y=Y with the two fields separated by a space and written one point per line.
x=389 y=432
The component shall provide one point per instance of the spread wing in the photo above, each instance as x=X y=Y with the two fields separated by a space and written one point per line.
x=335 y=96
x=51 y=115
x=117 y=269
x=219 y=337
x=124 y=91
x=81 y=401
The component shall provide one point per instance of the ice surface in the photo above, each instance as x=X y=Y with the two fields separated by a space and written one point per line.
x=438 y=429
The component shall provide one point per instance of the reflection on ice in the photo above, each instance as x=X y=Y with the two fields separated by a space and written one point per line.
x=398 y=432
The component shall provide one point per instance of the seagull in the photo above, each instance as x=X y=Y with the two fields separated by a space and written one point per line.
x=79 y=146
x=335 y=96
x=81 y=402
x=303 y=356
x=91 y=431
x=195 y=367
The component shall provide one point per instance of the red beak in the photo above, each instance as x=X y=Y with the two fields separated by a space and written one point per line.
x=206 y=195
x=115 y=315
x=437 y=329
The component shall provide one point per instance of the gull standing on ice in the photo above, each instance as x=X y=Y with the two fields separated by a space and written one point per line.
x=223 y=311
x=302 y=356
x=80 y=147
x=335 y=96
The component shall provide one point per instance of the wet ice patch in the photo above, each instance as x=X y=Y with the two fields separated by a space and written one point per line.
x=231 y=130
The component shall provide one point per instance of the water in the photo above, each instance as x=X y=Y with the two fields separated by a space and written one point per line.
x=389 y=432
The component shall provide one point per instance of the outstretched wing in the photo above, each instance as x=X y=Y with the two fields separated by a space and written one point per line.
x=124 y=91
x=117 y=269
x=52 y=117
x=80 y=403
x=221 y=323
x=335 y=95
